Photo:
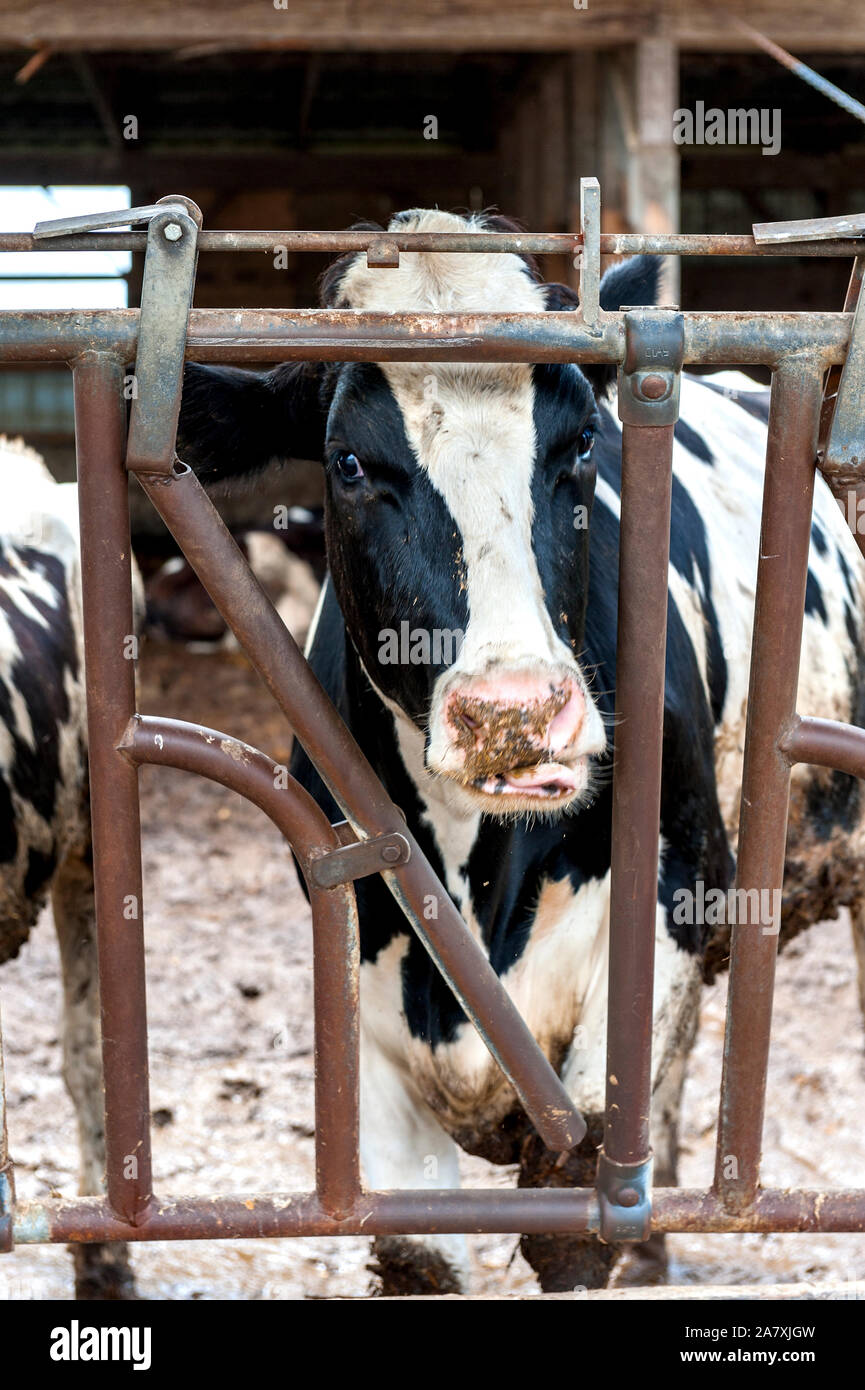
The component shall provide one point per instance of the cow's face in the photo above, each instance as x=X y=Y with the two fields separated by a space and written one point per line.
x=458 y=499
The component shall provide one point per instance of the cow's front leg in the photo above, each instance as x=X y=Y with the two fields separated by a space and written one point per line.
x=101 y=1271
x=403 y=1145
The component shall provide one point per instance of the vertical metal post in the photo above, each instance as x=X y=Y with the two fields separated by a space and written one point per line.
x=782 y=573
x=336 y=969
x=648 y=406
x=109 y=642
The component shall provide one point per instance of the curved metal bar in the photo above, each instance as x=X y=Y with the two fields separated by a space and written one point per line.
x=336 y=956
x=825 y=743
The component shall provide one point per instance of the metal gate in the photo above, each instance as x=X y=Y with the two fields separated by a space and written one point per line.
x=805 y=352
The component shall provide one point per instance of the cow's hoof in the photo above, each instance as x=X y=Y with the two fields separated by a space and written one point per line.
x=405 y=1266
x=565 y=1263
x=103 y=1272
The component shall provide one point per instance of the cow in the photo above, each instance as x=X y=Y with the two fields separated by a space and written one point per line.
x=45 y=845
x=467 y=635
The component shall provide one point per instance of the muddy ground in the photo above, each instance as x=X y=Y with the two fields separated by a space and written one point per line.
x=228 y=950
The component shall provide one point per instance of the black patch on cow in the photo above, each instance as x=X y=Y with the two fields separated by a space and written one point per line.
x=394 y=550
x=848 y=577
x=48 y=653
x=8 y=828
x=819 y=539
x=693 y=442
x=40 y=867
x=233 y=422
x=814 y=605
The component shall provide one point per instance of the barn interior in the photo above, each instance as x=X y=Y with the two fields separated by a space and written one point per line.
x=316 y=116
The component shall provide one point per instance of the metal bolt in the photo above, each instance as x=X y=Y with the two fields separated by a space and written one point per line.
x=628 y=1197
x=173 y=231
x=391 y=854
x=653 y=387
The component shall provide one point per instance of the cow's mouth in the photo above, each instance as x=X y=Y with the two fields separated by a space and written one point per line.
x=552 y=781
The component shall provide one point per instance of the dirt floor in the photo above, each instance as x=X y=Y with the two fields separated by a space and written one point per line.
x=228 y=948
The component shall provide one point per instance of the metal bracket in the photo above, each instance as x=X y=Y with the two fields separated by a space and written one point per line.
x=123 y=217
x=651 y=374
x=844 y=455
x=590 y=256
x=173 y=224
x=166 y=299
x=625 y=1200
x=360 y=859
x=810 y=229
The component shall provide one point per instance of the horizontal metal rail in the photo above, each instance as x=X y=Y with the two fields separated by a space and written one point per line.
x=420 y=1212
x=343 y=335
x=520 y=243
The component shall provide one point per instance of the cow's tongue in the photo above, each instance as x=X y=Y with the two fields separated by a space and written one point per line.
x=546 y=777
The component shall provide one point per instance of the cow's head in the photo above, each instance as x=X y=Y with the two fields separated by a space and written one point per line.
x=457 y=505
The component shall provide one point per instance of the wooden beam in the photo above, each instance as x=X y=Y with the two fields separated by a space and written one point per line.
x=308 y=172
x=196 y=27
x=653 y=162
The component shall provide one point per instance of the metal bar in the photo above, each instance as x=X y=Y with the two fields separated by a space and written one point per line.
x=503 y=1210
x=7 y=1173
x=109 y=643
x=778 y=618
x=166 y=299
x=336 y=958
x=826 y=743
x=222 y=569
x=644 y=547
x=486 y=243
x=337 y=335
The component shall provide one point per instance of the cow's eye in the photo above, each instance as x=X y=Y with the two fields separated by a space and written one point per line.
x=349 y=467
x=585 y=443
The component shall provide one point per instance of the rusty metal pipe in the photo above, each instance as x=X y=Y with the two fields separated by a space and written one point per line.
x=213 y=554
x=778 y=619
x=826 y=743
x=109 y=645
x=542 y=1210
x=336 y=956
x=644 y=548
x=342 y=335
x=517 y=243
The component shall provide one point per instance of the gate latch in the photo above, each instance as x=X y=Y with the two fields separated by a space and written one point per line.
x=625 y=1200
x=651 y=374
x=360 y=859
x=173 y=224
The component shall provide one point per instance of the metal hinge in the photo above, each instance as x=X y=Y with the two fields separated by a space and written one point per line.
x=360 y=859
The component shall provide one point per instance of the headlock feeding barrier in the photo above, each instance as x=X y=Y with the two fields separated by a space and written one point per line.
x=817 y=362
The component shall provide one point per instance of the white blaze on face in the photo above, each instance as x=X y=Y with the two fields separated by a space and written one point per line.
x=471 y=427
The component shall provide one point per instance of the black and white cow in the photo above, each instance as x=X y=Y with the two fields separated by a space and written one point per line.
x=44 y=807
x=457 y=502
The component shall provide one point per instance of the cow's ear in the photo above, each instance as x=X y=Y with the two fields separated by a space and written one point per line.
x=634 y=281
x=233 y=422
